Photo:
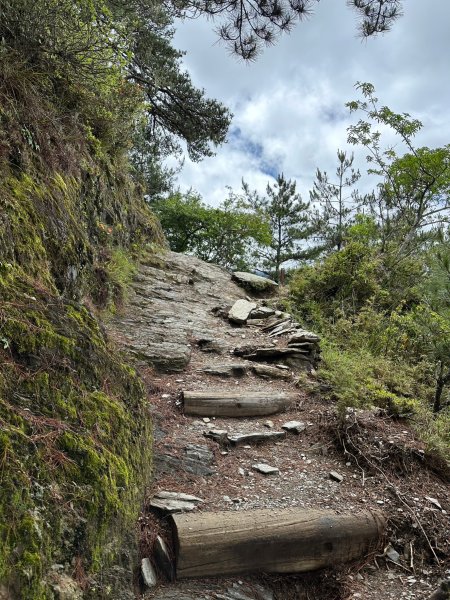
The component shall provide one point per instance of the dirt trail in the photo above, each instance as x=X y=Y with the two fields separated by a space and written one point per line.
x=171 y=322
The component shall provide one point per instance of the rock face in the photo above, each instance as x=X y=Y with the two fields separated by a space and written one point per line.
x=240 y=311
x=255 y=283
x=169 y=306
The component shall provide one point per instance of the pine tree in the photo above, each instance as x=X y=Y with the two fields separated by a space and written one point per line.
x=335 y=205
x=289 y=220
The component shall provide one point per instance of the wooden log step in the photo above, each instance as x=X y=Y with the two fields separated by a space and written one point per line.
x=236 y=404
x=273 y=541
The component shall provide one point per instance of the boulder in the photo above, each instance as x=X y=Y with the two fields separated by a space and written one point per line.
x=255 y=283
x=240 y=311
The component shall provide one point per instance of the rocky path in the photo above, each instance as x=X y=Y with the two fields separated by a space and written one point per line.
x=176 y=327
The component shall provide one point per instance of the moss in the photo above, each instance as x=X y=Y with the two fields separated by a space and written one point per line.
x=75 y=433
x=74 y=453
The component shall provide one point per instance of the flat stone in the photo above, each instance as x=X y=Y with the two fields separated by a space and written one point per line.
x=163 y=558
x=240 y=311
x=254 y=283
x=200 y=453
x=172 y=506
x=177 y=496
x=270 y=372
x=212 y=345
x=166 y=357
x=258 y=436
x=336 y=476
x=148 y=573
x=274 y=353
x=262 y=312
x=233 y=370
x=265 y=469
x=166 y=463
x=218 y=435
x=273 y=324
x=294 y=426
x=303 y=336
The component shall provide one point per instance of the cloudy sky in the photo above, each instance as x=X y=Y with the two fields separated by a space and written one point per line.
x=289 y=106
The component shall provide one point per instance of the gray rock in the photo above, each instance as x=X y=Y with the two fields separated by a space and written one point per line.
x=148 y=573
x=262 y=312
x=255 y=283
x=199 y=452
x=270 y=372
x=240 y=311
x=294 y=426
x=172 y=506
x=303 y=336
x=212 y=346
x=167 y=357
x=234 y=370
x=174 y=502
x=218 y=435
x=336 y=476
x=177 y=496
x=194 y=461
x=273 y=324
x=258 y=436
x=163 y=559
x=265 y=469
x=392 y=553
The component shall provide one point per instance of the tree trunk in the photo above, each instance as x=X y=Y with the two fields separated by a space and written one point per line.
x=271 y=541
x=236 y=403
x=439 y=388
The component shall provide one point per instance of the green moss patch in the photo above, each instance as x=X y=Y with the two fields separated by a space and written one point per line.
x=75 y=442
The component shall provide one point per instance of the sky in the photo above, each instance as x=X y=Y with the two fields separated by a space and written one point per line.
x=289 y=106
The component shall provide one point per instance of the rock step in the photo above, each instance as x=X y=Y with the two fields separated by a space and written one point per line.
x=225 y=437
x=236 y=403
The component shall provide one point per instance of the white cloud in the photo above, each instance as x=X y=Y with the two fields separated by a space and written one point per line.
x=289 y=105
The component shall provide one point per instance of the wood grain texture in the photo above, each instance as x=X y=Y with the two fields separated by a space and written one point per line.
x=272 y=541
x=235 y=404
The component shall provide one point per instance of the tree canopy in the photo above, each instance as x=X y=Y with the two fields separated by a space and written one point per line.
x=225 y=235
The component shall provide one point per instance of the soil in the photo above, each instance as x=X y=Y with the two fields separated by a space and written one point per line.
x=382 y=463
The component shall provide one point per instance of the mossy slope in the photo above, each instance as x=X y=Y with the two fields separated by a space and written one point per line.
x=75 y=438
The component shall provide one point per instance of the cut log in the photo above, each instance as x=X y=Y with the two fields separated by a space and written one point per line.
x=235 y=404
x=271 y=541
